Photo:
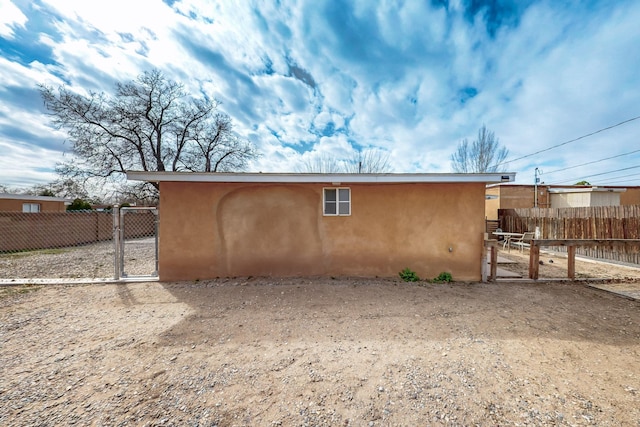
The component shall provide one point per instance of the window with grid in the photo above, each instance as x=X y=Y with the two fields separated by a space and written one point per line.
x=337 y=201
x=31 y=207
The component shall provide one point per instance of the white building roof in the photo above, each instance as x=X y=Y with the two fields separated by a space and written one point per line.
x=321 y=178
x=587 y=190
x=11 y=196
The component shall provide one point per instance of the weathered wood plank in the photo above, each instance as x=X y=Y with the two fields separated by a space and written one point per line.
x=494 y=264
x=571 y=262
x=534 y=262
x=586 y=242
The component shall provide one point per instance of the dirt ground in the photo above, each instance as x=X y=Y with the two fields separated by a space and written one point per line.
x=318 y=352
x=553 y=265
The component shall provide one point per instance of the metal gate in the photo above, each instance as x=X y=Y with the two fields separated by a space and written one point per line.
x=136 y=242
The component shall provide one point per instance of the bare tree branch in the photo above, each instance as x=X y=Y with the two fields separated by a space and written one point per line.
x=149 y=124
x=366 y=161
x=483 y=155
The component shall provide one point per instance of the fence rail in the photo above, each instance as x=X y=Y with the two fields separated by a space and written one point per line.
x=602 y=222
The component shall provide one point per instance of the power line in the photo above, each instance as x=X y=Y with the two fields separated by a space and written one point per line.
x=598 y=174
x=595 y=161
x=567 y=142
x=624 y=183
x=618 y=177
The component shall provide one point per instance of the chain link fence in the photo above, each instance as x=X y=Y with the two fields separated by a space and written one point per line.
x=85 y=244
x=138 y=242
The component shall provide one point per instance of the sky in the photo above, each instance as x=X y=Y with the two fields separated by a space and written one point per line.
x=311 y=79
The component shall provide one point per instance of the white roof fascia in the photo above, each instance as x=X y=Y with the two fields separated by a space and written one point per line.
x=11 y=196
x=587 y=190
x=341 y=178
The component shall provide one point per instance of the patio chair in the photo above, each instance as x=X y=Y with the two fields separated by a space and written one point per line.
x=523 y=241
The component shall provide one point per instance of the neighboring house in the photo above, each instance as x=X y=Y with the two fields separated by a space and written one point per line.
x=584 y=197
x=28 y=203
x=255 y=224
x=514 y=196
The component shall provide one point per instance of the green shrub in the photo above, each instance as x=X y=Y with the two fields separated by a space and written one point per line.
x=408 y=275
x=79 y=205
x=443 y=277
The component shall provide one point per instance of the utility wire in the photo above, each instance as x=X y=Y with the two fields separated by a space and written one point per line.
x=590 y=163
x=624 y=184
x=598 y=174
x=618 y=177
x=567 y=142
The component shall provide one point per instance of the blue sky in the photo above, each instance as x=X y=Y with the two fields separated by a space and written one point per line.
x=313 y=78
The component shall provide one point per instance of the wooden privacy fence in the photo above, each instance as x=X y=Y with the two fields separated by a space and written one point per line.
x=590 y=223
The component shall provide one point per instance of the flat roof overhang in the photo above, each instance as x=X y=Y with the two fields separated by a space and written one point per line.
x=586 y=190
x=321 y=178
x=11 y=196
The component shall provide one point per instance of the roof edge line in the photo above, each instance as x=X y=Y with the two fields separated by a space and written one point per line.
x=385 y=178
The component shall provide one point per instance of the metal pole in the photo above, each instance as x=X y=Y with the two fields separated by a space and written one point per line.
x=116 y=242
x=122 y=272
x=535 y=189
x=157 y=223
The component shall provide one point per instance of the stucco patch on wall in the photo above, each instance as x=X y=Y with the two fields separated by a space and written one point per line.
x=270 y=231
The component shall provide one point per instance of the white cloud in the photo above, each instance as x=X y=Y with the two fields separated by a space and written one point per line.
x=10 y=17
x=413 y=78
x=23 y=166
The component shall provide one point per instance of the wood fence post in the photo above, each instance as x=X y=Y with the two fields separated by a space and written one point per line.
x=494 y=263
x=571 y=262
x=534 y=261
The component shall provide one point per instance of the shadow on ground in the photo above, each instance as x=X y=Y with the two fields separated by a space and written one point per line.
x=358 y=309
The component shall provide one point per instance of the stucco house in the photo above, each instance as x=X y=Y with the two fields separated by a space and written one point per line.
x=260 y=224
x=28 y=203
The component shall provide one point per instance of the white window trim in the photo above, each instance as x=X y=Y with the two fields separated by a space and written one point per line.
x=324 y=201
x=29 y=207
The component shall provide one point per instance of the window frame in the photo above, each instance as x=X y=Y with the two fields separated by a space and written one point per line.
x=30 y=208
x=337 y=202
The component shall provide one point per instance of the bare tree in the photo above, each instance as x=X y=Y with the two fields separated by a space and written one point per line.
x=322 y=164
x=482 y=155
x=149 y=124
x=366 y=161
x=69 y=188
x=8 y=190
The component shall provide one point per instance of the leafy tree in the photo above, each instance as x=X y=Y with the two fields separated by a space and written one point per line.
x=482 y=155
x=367 y=161
x=79 y=205
x=582 y=183
x=149 y=124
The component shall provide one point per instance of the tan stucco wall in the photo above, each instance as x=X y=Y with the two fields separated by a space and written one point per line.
x=630 y=197
x=491 y=206
x=210 y=230
x=13 y=205
x=514 y=197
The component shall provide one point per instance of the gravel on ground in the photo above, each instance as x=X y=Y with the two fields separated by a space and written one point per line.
x=318 y=352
